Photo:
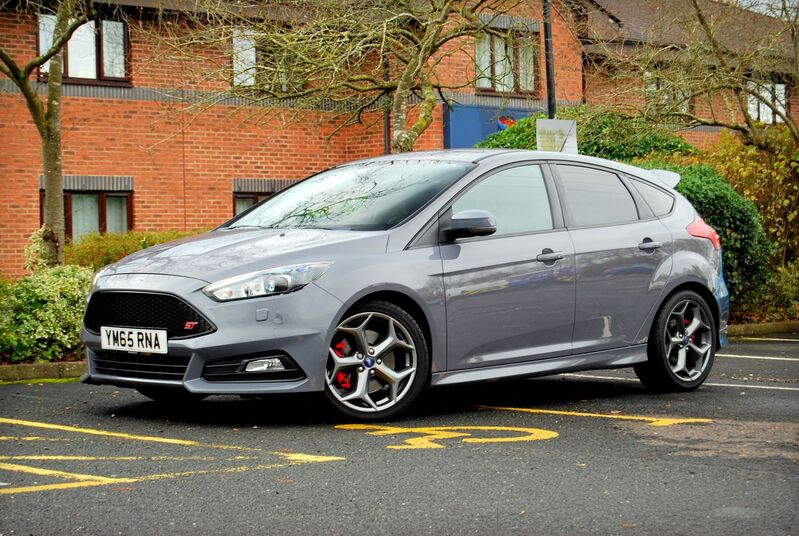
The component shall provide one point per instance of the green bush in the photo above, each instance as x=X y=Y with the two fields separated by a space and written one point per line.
x=746 y=249
x=96 y=250
x=41 y=314
x=600 y=132
x=779 y=299
x=771 y=180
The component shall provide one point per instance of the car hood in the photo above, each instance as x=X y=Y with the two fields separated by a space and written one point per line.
x=224 y=253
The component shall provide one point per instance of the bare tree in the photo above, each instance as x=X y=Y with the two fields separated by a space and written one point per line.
x=701 y=62
x=359 y=57
x=46 y=113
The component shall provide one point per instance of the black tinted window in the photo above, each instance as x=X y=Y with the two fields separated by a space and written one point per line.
x=659 y=201
x=516 y=197
x=596 y=197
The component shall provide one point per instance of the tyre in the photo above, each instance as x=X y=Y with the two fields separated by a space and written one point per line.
x=682 y=345
x=167 y=395
x=378 y=362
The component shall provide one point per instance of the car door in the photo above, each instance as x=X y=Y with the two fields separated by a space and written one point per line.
x=622 y=256
x=509 y=296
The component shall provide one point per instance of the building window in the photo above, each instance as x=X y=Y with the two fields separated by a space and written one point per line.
x=506 y=64
x=662 y=97
x=97 y=51
x=243 y=201
x=774 y=94
x=249 y=191
x=254 y=66
x=244 y=58
x=95 y=212
x=95 y=203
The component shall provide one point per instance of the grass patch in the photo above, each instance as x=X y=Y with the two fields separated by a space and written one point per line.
x=42 y=380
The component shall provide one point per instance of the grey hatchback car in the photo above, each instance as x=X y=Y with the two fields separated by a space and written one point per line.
x=373 y=280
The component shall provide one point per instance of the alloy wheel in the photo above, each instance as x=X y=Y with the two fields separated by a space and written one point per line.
x=687 y=340
x=372 y=362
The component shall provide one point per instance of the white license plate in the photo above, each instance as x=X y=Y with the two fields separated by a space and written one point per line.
x=152 y=341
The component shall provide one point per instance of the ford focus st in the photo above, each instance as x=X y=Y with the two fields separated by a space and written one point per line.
x=374 y=280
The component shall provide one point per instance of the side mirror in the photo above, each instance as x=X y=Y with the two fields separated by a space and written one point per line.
x=468 y=223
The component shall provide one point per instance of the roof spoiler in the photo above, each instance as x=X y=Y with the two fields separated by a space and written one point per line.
x=670 y=178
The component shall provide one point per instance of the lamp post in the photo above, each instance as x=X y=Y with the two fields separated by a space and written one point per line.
x=550 y=62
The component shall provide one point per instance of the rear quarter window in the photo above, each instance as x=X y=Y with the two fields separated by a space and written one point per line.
x=659 y=201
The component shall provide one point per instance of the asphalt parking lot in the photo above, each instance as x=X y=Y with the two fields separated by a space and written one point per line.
x=587 y=453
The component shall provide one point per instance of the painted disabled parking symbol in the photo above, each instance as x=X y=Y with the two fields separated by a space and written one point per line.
x=427 y=437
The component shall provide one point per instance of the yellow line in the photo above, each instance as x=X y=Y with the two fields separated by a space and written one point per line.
x=58 y=474
x=30 y=438
x=291 y=457
x=89 y=480
x=117 y=458
x=51 y=487
x=653 y=421
x=240 y=469
x=120 y=435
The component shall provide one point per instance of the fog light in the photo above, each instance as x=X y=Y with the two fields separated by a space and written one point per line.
x=263 y=365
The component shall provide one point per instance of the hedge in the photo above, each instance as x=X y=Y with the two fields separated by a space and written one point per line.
x=600 y=132
x=96 y=250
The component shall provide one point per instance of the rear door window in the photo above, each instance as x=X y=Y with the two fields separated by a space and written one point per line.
x=593 y=197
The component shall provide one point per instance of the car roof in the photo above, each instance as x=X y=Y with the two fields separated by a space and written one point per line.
x=510 y=155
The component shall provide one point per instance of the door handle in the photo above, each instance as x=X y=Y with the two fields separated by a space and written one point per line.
x=649 y=245
x=547 y=255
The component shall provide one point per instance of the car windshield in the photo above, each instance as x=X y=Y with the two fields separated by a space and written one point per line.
x=368 y=196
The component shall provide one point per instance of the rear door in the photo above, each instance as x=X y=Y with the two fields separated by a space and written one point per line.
x=622 y=255
x=509 y=296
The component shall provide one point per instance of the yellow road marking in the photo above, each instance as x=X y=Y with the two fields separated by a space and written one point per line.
x=431 y=434
x=290 y=456
x=120 y=435
x=52 y=487
x=77 y=480
x=30 y=438
x=80 y=480
x=653 y=421
x=47 y=458
x=52 y=472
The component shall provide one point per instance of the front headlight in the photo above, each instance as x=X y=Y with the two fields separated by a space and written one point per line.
x=267 y=282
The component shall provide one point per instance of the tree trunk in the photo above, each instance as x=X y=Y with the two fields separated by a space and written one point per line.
x=404 y=138
x=54 y=231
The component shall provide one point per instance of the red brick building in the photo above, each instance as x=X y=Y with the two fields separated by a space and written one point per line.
x=137 y=154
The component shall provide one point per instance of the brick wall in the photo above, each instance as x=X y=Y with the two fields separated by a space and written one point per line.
x=183 y=158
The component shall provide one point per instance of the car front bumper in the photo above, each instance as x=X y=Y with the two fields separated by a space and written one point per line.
x=297 y=325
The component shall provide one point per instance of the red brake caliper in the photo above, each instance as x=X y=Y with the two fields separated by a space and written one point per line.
x=343 y=379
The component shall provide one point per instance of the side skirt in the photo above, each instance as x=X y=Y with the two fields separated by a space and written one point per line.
x=606 y=359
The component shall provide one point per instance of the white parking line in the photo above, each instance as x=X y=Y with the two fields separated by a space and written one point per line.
x=763 y=339
x=709 y=384
x=765 y=358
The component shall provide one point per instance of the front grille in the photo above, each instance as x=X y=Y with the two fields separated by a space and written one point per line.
x=148 y=367
x=146 y=310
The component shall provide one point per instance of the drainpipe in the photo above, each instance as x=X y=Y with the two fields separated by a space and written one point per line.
x=386 y=115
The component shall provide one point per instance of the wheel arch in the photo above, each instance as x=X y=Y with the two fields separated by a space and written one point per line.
x=406 y=302
x=706 y=295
